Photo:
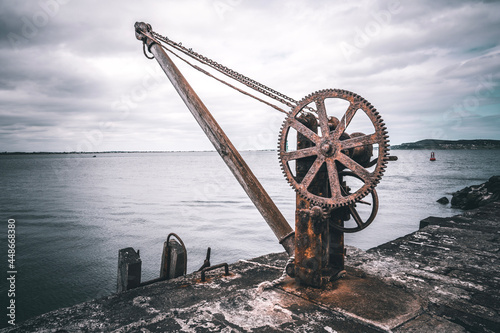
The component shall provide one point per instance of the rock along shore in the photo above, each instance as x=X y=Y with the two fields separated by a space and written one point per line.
x=476 y=196
x=442 y=278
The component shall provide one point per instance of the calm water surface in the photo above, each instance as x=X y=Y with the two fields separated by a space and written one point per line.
x=74 y=212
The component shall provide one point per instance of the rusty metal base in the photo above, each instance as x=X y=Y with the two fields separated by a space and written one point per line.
x=363 y=297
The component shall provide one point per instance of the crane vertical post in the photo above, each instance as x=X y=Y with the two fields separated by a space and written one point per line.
x=221 y=142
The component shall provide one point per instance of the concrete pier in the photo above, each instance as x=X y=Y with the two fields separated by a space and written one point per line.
x=442 y=278
x=451 y=263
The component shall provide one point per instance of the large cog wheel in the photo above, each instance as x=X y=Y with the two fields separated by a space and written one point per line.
x=333 y=147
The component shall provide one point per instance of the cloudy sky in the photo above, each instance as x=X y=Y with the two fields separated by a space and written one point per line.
x=74 y=78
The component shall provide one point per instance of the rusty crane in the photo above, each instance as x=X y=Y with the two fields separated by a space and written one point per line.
x=332 y=166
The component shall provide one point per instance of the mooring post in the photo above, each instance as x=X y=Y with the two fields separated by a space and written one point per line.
x=129 y=269
x=173 y=260
x=220 y=141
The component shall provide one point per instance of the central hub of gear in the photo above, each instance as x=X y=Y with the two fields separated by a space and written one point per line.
x=327 y=148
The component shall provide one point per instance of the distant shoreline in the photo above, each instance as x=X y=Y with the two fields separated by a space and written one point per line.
x=427 y=144
x=430 y=144
x=438 y=148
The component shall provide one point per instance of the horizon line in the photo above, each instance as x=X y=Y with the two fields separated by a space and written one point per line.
x=121 y=151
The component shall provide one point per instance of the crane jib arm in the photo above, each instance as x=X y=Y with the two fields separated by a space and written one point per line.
x=220 y=141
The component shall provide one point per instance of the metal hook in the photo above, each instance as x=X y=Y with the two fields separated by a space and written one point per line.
x=144 y=50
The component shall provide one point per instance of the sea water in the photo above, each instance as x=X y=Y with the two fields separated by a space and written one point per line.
x=73 y=213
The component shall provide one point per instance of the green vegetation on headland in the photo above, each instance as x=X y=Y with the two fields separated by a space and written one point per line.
x=450 y=144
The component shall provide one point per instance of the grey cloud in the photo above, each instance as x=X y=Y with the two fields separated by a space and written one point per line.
x=84 y=67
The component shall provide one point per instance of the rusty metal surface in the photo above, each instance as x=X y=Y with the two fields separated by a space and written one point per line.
x=311 y=233
x=311 y=249
x=319 y=248
x=360 y=224
x=351 y=211
x=319 y=230
x=362 y=296
x=330 y=149
x=211 y=268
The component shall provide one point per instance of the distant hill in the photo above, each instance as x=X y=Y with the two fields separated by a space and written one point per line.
x=450 y=144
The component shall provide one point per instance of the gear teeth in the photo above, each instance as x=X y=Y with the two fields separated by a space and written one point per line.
x=383 y=149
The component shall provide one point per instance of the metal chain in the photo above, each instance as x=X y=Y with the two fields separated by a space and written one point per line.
x=263 y=89
x=224 y=82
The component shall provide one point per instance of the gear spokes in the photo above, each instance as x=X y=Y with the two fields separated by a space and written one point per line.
x=330 y=146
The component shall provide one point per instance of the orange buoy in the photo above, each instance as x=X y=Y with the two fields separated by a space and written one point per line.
x=433 y=158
